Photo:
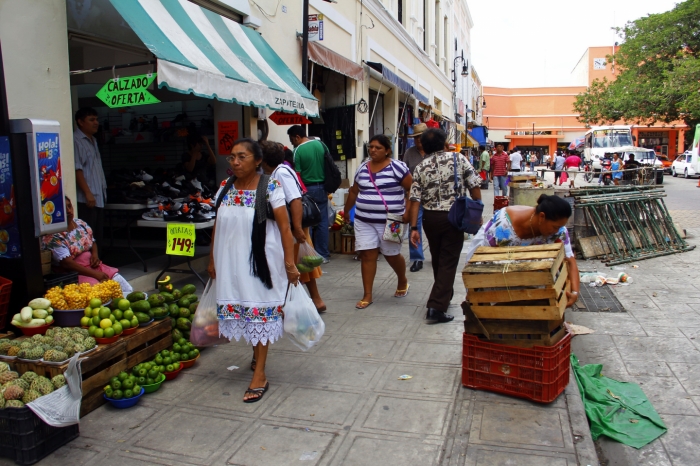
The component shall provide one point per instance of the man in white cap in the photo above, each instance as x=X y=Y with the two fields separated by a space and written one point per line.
x=412 y=157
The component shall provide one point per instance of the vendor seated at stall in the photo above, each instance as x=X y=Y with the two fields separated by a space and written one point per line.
x=520 y=225
x=75 y=250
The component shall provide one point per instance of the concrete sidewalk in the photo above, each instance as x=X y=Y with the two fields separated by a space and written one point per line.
x=341 y=403
x=655 y=344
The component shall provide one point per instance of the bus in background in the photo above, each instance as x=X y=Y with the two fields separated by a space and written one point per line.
x=601 y=140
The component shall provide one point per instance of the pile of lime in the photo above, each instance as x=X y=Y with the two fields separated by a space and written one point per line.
x=103 y=322
x=123 y=386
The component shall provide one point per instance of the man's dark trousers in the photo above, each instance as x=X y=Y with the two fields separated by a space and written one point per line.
x=445 y=242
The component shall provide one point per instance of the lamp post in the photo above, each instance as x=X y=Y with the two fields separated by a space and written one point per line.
x=464 y=74
x=533 y=135
x=305 y=41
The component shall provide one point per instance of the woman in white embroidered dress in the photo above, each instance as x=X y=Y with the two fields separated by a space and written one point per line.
x=252 y=259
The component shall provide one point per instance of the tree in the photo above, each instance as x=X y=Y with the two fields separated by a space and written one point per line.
x=658 y=72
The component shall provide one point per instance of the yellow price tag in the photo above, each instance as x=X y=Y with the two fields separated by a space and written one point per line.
x=180 y=239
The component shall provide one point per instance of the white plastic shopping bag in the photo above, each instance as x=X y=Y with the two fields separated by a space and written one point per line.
x=205 y=325
x=302 y=323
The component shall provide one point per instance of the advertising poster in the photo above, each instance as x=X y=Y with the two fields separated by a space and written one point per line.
x=315 y=28
x=228 y=134
x=50 y=178
x=9 y=234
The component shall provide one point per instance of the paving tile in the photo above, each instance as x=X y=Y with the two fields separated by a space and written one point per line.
x=324 y=371
x=122 y=425
x=405 y=310
x=70 y=455
x=688 y=375
x=416 y=416
x=189 y=434
x=279 y=445
x=609 y=324
x=309 y=405
x=279 y=367
x=487 y=397
x=365 y=451
x=444 y=332
x=486 y=457
x=667 y=395
x=508 y=425
x=435 y=353
x=363 y=347
x=334 y=321
x=226 y=394
x=657 y=349
x=656 y=331
x=425 y=380
x=648 y=368
x=681 y=439
x=376 y=326
x=653 y=454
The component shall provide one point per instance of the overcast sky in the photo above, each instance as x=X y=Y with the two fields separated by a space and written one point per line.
x=535 y=43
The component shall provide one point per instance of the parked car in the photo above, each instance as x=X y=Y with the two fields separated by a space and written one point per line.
x=683 y=165
x=665 y=163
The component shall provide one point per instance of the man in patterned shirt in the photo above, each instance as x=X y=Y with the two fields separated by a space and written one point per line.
x=433 y=189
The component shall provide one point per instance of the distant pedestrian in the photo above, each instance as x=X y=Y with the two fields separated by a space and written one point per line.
x=572 y=164
x=485 y=164
x=500 y=166
x=615 y=167
x=433 y=187
x=309 y=162
x=412 y=157
x=547 y=159
x=380 y=188
x=516 y=160
x=533 y=161
x=559 y=162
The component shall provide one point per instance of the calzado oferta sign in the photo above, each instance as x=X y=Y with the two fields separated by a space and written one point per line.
x=128 y=91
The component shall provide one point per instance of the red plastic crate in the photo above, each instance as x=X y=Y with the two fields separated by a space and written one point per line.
x=5 y=290
x=500 y=202
x=540 y=373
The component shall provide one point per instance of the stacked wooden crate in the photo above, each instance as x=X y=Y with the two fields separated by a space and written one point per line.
x=515 y=340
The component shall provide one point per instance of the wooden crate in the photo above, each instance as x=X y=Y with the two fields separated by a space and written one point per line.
x=109 y=360
x=520 y=283
x=347 y=244
x=521 y=333
x=334 y=245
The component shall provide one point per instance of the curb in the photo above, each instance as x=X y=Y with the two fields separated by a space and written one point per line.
x=583 y=443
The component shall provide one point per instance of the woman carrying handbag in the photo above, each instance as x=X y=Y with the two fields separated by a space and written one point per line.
x=379 y=194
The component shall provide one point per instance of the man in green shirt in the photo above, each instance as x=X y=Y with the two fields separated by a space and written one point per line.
x=309 y=158
x=485 y=164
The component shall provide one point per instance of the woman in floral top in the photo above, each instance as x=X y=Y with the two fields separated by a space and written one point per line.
x=252 y=259
x=76 y=250
x=528 y=226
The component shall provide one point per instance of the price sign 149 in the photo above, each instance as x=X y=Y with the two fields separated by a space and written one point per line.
x=181 y=238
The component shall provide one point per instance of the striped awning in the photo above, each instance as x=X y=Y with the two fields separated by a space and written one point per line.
x=202 y=53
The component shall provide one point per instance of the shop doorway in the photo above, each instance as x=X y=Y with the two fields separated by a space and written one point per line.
x=376 y=113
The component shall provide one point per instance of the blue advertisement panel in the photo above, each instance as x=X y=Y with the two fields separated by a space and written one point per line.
x=9 y=234
x=50 y=178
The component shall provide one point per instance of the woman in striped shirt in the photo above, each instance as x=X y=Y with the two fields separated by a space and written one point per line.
x=381 y=186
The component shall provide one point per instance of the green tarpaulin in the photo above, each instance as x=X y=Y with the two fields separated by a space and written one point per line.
x=619 y=410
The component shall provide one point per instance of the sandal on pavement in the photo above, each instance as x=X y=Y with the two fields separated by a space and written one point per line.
x=321 y=309
x=256 y=391
x=402 y=293
x=363 y=304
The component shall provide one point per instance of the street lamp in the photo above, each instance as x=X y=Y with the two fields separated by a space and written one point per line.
x=533 y=135
x=464 y=74
x=305 y=41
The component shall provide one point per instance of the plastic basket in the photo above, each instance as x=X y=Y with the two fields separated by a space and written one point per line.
x=62 y=279
x=540 y=373
x=27 y=439
x=5 y=290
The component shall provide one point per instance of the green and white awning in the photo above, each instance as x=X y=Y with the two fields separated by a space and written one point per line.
x=202 y=53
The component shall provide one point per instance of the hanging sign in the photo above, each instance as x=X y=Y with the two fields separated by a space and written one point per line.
x=128 y=91
x=9 y=234
x=228 y=134
x=282 y=119
x=315 y=28
x=180 y=239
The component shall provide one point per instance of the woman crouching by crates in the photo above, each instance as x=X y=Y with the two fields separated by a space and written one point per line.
x=529 y=226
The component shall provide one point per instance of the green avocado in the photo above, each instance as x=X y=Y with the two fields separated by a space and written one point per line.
x=142 y=317
x=156 y=300
x=192 y=297
x=188 y=289
x=184 y=302
x=167 y=296
x=177 y=294
x=193 y=307
x=135 y=296
x=140 y=306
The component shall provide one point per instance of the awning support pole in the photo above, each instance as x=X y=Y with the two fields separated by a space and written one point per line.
x=371 y=118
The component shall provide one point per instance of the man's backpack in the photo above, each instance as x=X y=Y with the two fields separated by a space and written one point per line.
x=332 y=177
